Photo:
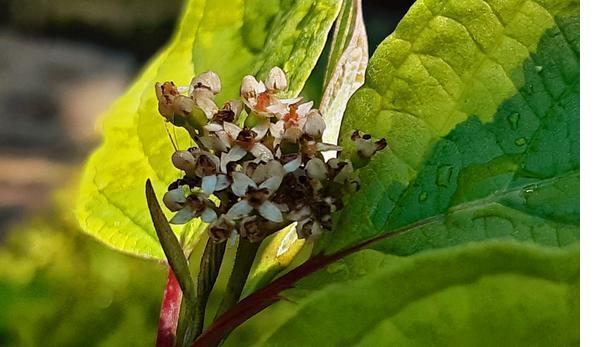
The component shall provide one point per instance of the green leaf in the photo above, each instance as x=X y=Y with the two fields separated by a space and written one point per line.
x=232 y=38
x=479 y=101
x=485 y=294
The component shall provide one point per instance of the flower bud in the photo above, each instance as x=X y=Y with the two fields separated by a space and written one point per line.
x=315 y=124
x=221 y=229
x=208 y=80
x=184 y=160
x=316 y=169
x=174 y=199
x=276 y=80
x=182 y=105
x=249 y=87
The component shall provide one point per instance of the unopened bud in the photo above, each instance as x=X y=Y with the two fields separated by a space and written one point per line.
x=276 y=80
x=249 y=87
x=208 y=80
x=315 y=124
x=184 y=160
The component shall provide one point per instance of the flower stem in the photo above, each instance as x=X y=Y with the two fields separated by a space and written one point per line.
x=246 y=252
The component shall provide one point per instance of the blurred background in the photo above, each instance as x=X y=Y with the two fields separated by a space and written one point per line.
x=62 y=63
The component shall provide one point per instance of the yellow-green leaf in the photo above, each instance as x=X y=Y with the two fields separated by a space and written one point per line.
x=232 y=38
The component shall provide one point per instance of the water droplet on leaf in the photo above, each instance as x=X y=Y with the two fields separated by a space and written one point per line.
x=423 y=196
x=513 y=119
x=521 y=141
x=539 y=68
x=444 y=174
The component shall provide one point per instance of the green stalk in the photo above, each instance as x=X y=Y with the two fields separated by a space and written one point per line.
x=210 y=264
x=246 y=252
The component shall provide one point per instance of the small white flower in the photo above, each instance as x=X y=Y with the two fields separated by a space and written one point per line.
x=243 y=141
x=196 y=205
x=255 y=197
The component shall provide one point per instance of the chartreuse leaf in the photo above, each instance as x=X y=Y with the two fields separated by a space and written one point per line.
x=493 y=293
x=479 y=101
x=232 y=38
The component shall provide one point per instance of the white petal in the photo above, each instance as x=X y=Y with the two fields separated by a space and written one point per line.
x=327 y=147
x=278 y=109
x=290 y=101
x=304 y=108
x=225 y=139
x=268 y=210
x=241 y=183
x=272 y=184
x=239 y=210
x=235 y=154
x=293 y=165
x=213 y=127
x=231 y=129
x=209 y=184
x=249 y=87
x=261 y=152
x=222 y=182
x=183 y=216
x=208 y=215
x=214 y=143
x=292 y=134
x=261 y=129
x=316 y=168
x=261 y=88
x=274 y=168
x=276 y=79
x=277 y=129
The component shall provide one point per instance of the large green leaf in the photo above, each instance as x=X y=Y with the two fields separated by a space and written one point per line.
x=479 y=101
x=487 y=294
x=232 y=38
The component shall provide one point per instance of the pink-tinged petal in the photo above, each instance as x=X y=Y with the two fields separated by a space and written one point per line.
x=261 y=129
x=209 y=183
x=261 y=152
x=208 y=215
x=272 y=184
x=183 y=216
x=268 y=210
x=293 y=165
x=222 y=182
x=241 y=183
x=239 y=210
x=235 y=154
x=231 y=129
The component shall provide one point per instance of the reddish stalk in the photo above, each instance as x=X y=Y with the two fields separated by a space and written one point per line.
x=169 y=312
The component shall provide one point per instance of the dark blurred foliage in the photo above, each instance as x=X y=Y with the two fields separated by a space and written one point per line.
x=59 y=287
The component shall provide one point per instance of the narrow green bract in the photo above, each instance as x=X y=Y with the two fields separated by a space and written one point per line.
x=232 y=38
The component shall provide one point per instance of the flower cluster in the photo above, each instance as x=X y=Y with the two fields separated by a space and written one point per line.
x=261 y=157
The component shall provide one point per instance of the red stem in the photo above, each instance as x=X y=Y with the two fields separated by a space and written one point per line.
x=169 y=312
